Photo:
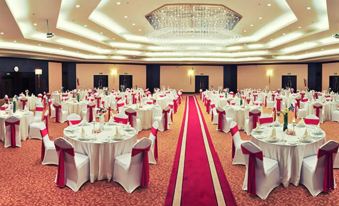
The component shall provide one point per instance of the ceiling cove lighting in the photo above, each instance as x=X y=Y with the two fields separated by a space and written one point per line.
x=195 y=59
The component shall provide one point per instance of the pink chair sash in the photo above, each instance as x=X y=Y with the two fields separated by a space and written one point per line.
x=208 y=103
x=265 y=120
x=212 y=107
x=175 y=105
x=165 y=112
x=120 y=105
x=57 y=112
x=3 y=107
x=6 y=100
x=255 y=97
x=74 y=122
x=220 y=119
x=121 y=120
x=278 y=104
x=130 y=117
x=43 y=133
x=302 y=94
x=155 y=134
x=317 y=110
x=12 y=129
x=248 y=100
x=98 y=101
x=234 y=130
x=134 y=100
x=145 y=165
x=328 y=181
x=311 y=121
x=255 y=118
x=251 y=178
x=273 y=97
x=61 y=176
x=90 y=110
x=304 y=100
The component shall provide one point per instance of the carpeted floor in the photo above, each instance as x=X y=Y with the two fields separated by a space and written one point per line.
x=24 y=181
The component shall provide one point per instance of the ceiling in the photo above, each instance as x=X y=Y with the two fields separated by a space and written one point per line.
x=117 y=31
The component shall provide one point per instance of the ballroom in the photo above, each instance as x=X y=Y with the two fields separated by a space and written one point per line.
x=169 y=102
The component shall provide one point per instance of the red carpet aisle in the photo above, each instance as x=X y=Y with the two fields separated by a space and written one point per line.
x=197 y=176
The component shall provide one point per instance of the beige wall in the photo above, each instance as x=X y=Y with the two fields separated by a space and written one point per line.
x=176 y=77
x=54 y=76
x=329 y=70
x=85 y=74
x=254 y=76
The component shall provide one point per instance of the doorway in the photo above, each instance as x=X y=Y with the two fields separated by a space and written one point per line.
x=289 y=81
x=334 y=83
x=201 y=82
x=100 y=81
x=125 y=81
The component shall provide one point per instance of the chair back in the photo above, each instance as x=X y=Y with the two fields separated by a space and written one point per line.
x=132 y=116
x=73 y=119
x=121 y=118
x=137 y=150
x=12 y=130
x=236 y=140
x=254 y=117
x=317 y=109
x=311 y=119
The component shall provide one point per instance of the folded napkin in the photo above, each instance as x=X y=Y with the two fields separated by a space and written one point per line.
x=274 y=133
x=82 y=132
x=301 y=122
x=305 y=136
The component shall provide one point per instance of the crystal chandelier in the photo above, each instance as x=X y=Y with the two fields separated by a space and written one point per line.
x=201 y=21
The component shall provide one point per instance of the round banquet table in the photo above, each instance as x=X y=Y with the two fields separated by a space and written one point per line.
x=101 y=148
x=239 y=113
x=145 y=114
x=74 y=106
x=163 y=101
x=289 y=150
x=26 y=117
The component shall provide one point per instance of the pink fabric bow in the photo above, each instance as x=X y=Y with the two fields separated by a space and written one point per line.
x=23 y=102
x=154 y=132
x=131 y=116
x=317 y=110
x=255 y=118
x=234 y=130
x=13 y=133
x=121 y=120
x=43 y=133
x=220 y=119
x=61 y=176
x=145 y=165
x=165 y=112
x=90 y=110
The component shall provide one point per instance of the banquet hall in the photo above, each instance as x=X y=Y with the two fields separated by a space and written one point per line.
x=164 y=102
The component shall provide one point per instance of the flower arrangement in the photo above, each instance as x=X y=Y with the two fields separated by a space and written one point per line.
x=285 y=113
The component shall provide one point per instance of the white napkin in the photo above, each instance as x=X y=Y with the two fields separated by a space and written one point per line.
x=82 y=132
x=301 y=122
x=305 y=136
x=274 y=133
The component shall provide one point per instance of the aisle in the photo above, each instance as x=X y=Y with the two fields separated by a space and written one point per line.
x=197 y=177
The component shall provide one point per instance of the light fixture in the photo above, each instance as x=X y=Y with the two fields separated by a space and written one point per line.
x=77 y=6
x=299 y=27
x=260 y=18
x=38 y=71
x=85 y=25
x=114 y=72
x=269 y=4
x=133 y=24
x=189 y=21
x=308 y=8
x=2 y=33
x=190 y=74
x=251 y=25
x=125 y=17
x=16 y=68
x=118 y=3
x=35 y=24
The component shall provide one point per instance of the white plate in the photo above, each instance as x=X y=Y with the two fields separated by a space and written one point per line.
x=306 y=141
x=272 y=140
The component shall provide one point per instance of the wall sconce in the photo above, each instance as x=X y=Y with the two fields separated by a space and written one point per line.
x=114 y=73
x=190 y=74
x=269 y=74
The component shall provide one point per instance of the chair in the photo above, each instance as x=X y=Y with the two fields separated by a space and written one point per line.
x=121 y=118
x=73 y=119
x=224 y=122
x=153 y=136
x=214 y=114
x=262 y=174
x=317 y=170
x=73 y=168
x=35 y=127
x=23 y=102
x=120 y=105
x=48 y=153
x=164 y=120
x=237 y=155
x=90 y=112
x=265 y=119
x=318 y=111
x=39 y=110
x=252 y=120
x=12 y=138
x=133 y=120
x=60 y=114
x=131 y=170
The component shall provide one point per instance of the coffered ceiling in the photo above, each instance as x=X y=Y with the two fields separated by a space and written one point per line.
x=117 y=31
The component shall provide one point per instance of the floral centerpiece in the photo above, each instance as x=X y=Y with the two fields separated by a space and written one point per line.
x=285 y=113
x=101 y=113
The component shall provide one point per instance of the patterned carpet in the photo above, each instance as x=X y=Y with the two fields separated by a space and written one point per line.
x=23 y=180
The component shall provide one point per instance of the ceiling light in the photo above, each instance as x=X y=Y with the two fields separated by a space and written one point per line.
x=260 y=18
x=299 y=27
x=125 y=17
x=251 y=25
x=269 y=5
x=35 y=24
x=308 y=8
x=245 y=30
x=77 y=6
x=139 y=30
x=14 y=41
x=61 y=48
x=284 y=34
x=2 y=33
x=101 y=32
x=85 y=25
x=39 y=44
x=133 y=24
x=118 y=3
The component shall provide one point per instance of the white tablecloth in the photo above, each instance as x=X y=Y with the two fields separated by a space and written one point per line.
x=289 y=151
x=145 y=114
x=26 y=117
x=101 y=148
x=74 y=106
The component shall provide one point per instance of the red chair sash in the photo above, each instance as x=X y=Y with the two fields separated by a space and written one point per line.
x=98 y=101
x=109 y=110
x=175 y=105
x=39 y=109
x=302 y=95
x=265 y=120
x=234 y=130
x=328 y=181
x=3 y=107
x=90 y=110
x=73 y=122
x=220 y=119
x=278 y=104
x=13 y=134
x=248 y=100
x=251 y=178
x=61 y=176
x=311 y=121
x=165 y=112
x=155 y=134
x=43 y=133
x=57 y=112
x=255 y=97
x=273 y=97
x=120 y=105
x=130 y=117
x=134 y=100
x=208 y=103
x=23 y=103
x=121 y=120
x=255 y=118
x=317 y=109
x=145 y=165
x=304 y=100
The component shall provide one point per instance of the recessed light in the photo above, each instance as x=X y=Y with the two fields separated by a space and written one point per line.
x=77 y=6
x=245 y=30
x=251 y=25
x=101 y=32
x=125 y=17
x=260 y=18
x=35 y=24
x=139 y=30
x=14 y=41
x=118 y=3
x=269 y=4
x=308 y=8
x=85 y=25
x=299 y=27
x=133 y=24
x=2 y=33
x=61 y=48
x=284 y=34
x=39 y=44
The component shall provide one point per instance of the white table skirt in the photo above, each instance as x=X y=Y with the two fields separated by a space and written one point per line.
x=25 y=119
x=289 y=157
x=102 y=154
